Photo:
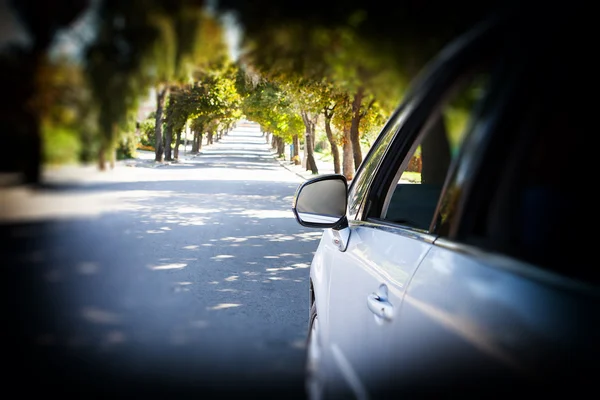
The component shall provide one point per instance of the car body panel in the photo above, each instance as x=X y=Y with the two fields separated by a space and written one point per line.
x=354 y=334
x=469 y=317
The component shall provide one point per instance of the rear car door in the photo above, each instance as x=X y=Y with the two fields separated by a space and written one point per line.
x=506 y=300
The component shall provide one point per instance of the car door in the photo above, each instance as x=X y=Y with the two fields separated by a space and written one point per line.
x=352 y=333
x=506 y=300
x=387 y=240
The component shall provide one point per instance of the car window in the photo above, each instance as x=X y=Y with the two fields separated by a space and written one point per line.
x=413 y=196
x=364 y=176
x=528 y=205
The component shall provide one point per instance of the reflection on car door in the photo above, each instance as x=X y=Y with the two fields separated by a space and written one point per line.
x=367 y=283
x=369 y=279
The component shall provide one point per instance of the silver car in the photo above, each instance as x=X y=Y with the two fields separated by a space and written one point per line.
x=458 y=260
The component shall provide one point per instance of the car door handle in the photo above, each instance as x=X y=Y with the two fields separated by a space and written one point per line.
x=379 y=306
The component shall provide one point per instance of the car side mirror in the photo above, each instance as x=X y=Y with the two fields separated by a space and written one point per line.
x=321 y=202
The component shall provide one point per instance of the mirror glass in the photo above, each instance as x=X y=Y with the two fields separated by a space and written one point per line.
x=322 y=201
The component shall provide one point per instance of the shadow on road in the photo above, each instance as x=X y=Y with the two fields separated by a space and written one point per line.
x=183 y=286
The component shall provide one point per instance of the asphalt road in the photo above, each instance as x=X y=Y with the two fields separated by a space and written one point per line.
x=186 y=280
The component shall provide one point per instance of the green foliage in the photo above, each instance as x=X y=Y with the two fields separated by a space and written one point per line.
x=67 y=113
x=406 y=34
x=212 y=100
x=140 y=43
x=129 y=140
x=61 y=145
x=127 y=146
x=147 y=131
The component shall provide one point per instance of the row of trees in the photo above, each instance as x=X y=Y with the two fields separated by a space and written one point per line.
x=344 y=71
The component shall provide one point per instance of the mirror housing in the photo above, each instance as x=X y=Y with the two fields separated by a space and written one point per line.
x=321 y=202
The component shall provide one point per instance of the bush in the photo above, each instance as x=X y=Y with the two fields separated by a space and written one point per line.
x=127 y=147
x=146 y=128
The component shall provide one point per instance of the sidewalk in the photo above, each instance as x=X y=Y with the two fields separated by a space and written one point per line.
x=324 y=167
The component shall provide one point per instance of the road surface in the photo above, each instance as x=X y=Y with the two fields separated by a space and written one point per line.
x=187 y=279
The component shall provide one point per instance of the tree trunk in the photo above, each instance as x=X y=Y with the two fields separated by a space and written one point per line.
x=354 y=126
x=335 y=152
x=310 y=157
x=348 y=154
x=168 y=140
x=195 y=142
x=274 y=142
x=296 y=149
x=102 y=157
x=209 y=138
x=113 y=157
x=280 y=147
x=177 y=140
x=25 y=120
x=161 y=95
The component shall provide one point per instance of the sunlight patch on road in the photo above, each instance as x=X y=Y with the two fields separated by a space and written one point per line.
x=309 y=236
x=301 y=265
x=167 y=266
x=196 y=210
x=299 y=344
x=271 y=257
x=26 y=204
x=222 y=256
x=277 y=237
x=279 y=269
x=199 y=324
x=234 y=239
x=99 y=316
x=265 y=214
x=114 y=337
x=87 y=268
x=232 y=278
x=187 y=220
x=241 y=292
x=281 y=238
x=191 y=247
x=223 y=306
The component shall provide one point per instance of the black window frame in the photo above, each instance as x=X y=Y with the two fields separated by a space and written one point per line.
x=440 y=78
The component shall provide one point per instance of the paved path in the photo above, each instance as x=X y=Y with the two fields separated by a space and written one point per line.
x=187 y=279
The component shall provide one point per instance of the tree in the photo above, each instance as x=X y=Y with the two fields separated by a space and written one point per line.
x=271 y=106
x=368 y=51
x=42 y=20
x=211 y=102
x=66 y=110
x=139 y=43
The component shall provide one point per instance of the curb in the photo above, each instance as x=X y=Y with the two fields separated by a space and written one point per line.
x=291 y=170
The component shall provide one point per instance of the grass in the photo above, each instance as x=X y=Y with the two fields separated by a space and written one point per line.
x=326 y=156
